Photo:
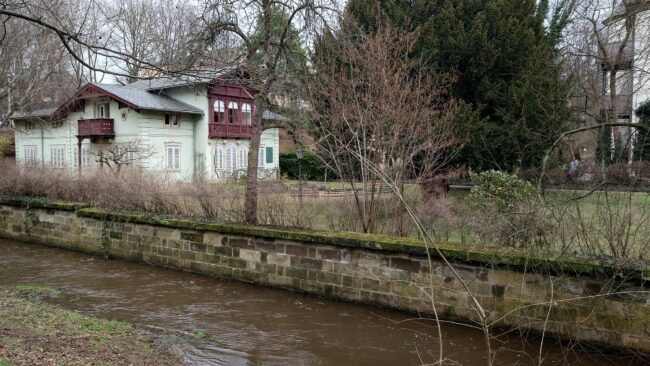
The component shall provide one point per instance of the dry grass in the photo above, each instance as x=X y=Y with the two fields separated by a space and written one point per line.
x=602 y=225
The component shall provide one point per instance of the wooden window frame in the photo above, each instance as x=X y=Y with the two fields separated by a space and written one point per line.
x=172 y=120
x=33 y=159
x=177 y=157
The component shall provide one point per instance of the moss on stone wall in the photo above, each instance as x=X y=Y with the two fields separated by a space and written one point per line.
x=502 y=259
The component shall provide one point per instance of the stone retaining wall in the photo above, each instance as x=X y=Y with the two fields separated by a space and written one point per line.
x=582 y=300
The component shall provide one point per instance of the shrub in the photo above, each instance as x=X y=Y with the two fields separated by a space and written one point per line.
x=501 y=190
x=313 y=168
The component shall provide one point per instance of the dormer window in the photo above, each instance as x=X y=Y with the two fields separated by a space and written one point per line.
x=102 y=110
x=219 y=111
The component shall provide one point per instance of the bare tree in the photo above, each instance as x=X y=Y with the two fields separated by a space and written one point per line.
x=263 y=55
x=371 y=97
x=120 y=155
x=32 y=65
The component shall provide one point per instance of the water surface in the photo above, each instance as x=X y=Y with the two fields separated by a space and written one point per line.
x=240 y=324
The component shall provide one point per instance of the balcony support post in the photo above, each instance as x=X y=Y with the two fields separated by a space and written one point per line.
x=79 y=140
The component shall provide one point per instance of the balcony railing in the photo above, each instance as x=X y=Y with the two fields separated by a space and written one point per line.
x=225 y=130
x=95 y=127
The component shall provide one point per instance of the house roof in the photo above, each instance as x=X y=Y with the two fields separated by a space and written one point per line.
x=144 y=99
x=39 y=113
x=166 y=82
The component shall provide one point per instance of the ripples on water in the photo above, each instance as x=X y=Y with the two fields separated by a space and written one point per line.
x=242 y=324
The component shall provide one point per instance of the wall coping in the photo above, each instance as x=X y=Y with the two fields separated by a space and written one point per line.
x=383 y=243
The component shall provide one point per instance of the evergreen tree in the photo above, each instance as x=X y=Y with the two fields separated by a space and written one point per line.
x=504 y=55
x=642 y=144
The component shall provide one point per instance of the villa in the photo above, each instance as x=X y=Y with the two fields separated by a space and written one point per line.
x=197 y=127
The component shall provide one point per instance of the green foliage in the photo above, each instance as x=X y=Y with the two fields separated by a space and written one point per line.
x=293 y=58
x=504 y=55
x=313 y=168
x=642 y=144
x=501 y=190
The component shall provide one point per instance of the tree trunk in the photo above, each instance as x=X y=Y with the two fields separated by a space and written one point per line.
x=250 y=200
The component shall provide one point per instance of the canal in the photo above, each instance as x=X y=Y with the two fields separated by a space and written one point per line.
x=227 y=323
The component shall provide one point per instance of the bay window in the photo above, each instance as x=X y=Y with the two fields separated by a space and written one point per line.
x=219 y=111
x=246 y=113
x=233 y=111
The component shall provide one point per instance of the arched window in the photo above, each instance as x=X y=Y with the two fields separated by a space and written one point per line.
x=246 y=113
x=231 y=159
x=218 y=158
x=233 y=112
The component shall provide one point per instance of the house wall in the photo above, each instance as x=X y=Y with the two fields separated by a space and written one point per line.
x=44 y=136
x=197 y=96
x=266 y=170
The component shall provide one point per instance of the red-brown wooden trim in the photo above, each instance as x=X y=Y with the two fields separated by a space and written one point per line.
x=88 y=91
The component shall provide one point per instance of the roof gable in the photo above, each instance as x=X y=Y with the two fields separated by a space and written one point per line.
x=134 y=98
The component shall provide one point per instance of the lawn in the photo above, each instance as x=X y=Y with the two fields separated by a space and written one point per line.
x=37 y=333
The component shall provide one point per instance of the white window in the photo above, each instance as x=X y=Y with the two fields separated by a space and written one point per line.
x=243 y=158
x=30 y=154
x=218 y=158
x=261 y=156
x=172 y=120
x=246 y=113
x=57 y=156
x=102 y=110
x=86 y=157
x=173 y=157
x=219 y=111
x=231 y=159
x=124 y=154
x=233 y=111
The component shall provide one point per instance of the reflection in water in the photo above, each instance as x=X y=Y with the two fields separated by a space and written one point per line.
x=229 y=323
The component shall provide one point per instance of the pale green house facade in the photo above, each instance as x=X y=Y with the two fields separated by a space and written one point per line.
x=186 y=129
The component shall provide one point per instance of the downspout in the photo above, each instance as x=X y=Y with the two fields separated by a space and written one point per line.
x=42 y=146
x=196 y=173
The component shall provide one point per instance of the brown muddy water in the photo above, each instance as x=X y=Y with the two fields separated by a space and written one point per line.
x=227 y=323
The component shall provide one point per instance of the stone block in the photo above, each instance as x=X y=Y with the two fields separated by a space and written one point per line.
x=239 y=242
x=330 y=278
x=297 y=250
x=192 y=236
x=211 y=238
x=250 y=255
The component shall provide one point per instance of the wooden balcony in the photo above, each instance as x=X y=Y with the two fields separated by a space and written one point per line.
x=95 y=128
x=226 y=130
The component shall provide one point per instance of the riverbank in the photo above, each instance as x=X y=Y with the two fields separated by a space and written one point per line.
x=33 y=332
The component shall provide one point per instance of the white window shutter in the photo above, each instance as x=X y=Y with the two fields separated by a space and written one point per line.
x=218 y=163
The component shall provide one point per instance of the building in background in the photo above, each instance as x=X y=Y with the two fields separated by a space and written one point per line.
x=626 y=58
x=191 y=128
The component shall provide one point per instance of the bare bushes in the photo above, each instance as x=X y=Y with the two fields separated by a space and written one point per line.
x=133 y=190
x=603 y=224
x=142 y=190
